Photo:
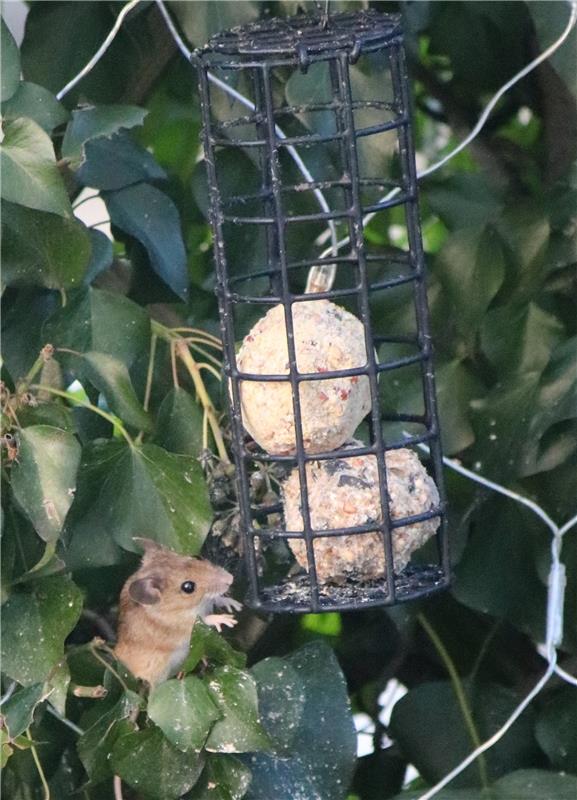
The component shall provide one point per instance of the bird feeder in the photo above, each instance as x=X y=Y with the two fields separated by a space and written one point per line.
x=318 y=110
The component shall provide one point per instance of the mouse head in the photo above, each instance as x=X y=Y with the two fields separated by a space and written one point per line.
x=177 y=584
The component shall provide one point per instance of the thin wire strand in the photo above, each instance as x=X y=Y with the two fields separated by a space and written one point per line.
x=89 y=66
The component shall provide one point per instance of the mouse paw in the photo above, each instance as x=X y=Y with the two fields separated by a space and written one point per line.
x=228 y=603
x=220 y=620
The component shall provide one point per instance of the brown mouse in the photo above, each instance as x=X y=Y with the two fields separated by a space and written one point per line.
x=159 y=605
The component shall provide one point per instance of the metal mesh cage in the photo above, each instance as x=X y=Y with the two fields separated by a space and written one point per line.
x=319 y=135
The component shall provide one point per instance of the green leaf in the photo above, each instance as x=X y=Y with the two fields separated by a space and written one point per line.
x=465 y=200
x=305 y=708
x=200 y=20
x=150 y=492
x=44 y=478
x=30 y=176
x=42 y=249
x=498 y=573
x=95 y=122
x=150 y=763
x=525 y=232
x=99 y=321
x=118 y=161
x=434 y=704
x=37 y=103
x=102 y=255
x=239 y=730
x=207 y=644
x=525 y=784
x=96 y=744
x=35 y=623
x=223 y=778
x=110 y=376
x=10 y=68
x=18 y=710
x=472 y=268
x=184 y=712
x=150 y=216
x=179 y=423
x=519 y=338
x=550 y=22
x=556 y=729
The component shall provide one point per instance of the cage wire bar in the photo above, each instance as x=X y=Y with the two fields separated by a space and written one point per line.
x=257 y=54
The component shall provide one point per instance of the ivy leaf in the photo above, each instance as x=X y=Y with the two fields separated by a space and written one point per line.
x=102 y=255
x=179 y=423
x=10 y=68
x=151 y=217
x=99 y=321
x=35 y=623
x=18 y=710
x=239 y=730
x=435 y=755
x=30 y=176
x=525 y=784
x=91 y=123
x=465 y=200
x=118 y=161
x=150 y=763
x=37 y=103
x=41 y=249
x=110 y=376
x=184 y=712
x=471 y=265
x=201 y=20
x=150 y=492
x=95 y=745
x=44 y=478
x=206 y=643
x=223 y=778
x=556 y=729
x=305 y=708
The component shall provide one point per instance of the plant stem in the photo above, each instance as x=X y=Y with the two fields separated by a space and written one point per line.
x=85 y=404
x=459 y=693
x=43 y=780
x=108 y=666
x=483 y=651
x=194 y=372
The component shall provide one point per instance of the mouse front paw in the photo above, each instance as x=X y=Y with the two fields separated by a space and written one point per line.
x=228 y=603
x=220 y=620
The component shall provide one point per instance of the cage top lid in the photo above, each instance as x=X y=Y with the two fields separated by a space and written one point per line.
x=306 y=36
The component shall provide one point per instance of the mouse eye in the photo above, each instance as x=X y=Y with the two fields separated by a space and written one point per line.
x=188 y=587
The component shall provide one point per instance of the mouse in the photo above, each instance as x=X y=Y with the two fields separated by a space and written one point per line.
x=159 y=605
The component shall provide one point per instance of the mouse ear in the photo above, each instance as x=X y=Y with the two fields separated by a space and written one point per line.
x=146 y=591
x=148 y=545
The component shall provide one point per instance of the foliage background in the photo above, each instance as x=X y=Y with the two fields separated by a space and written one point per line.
x=500 y=227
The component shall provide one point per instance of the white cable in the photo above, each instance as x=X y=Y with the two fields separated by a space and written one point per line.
x=101 y=50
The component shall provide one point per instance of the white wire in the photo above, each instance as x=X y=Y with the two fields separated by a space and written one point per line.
x=101 y=50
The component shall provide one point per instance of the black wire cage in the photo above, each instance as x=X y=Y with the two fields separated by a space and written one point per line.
x=307 y=140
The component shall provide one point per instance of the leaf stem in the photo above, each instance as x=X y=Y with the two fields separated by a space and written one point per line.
x=43 y=780
x=85 y=404
x=194 y=372
x=173 y=364
x=211 y=369
x=108 y=666
x=459 y=693
x=150 y=373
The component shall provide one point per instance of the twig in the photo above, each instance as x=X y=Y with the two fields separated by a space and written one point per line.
x=108 y=666
x=43 y=780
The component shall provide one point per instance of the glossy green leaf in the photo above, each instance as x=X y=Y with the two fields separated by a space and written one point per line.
x=35 y=623
x=433 y=707
x=550 y=22
x=472 y=265
x=18 y=710
x=525 y=233
x=110 y=376
x=305 y=708
x=159 y=495
x=556 y=729
x=102 y=322
x=101 y=257
x=223 y=778
x=465 y=200
x=30 y=176
x=10 y=68
x=150 y=216
x=117 y=161
x=519 y=338
x=95 y=122
x=150 y=763
x=179 y=423
x=207 y=644
x=37 y=103
x=44 y=477
x=524 y=784
x=95 y=745
x=41 y=249
x=202 y=19
x=239 y=730
x=184 y=712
